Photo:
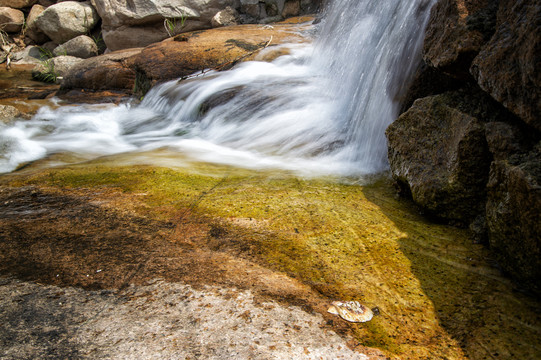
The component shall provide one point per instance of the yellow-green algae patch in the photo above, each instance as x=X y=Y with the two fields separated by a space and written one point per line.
x=437 y=295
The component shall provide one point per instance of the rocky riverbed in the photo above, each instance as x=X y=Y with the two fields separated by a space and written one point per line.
x=102 y=259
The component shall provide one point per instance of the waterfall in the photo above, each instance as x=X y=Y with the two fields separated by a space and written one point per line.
x=323 y=108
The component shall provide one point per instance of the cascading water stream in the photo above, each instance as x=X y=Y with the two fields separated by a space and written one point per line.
x=321 y=109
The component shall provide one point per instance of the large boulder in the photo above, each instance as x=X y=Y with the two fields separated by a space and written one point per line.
x=141 y=22
x=456 y=32
x=438 y=153
x=508 y=66
x=18 y=4
x=81 y=46
x=513 y=215
x=32 y=31
x=11 y=20
x=64 y=21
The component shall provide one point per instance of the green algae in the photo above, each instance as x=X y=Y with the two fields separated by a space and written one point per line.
x=436 y=293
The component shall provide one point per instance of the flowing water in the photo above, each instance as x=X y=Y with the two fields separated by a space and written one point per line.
x=321 y=109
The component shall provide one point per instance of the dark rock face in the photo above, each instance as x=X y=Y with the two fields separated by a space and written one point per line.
x=470 y=154
x=513 y=217
x=456 y=32
x=508 y=66
x=435 y=150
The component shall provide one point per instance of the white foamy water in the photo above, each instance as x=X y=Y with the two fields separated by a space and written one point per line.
x=322 y=109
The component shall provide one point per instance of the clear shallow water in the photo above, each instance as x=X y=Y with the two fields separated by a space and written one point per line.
x=322 y=109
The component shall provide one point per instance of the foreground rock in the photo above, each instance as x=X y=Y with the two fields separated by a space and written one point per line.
x=183 y=55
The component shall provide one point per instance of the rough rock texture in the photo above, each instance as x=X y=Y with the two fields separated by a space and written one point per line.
x=508 y=66
x=81 y=46
x=17 y=4
x=8 y=113
x=32 y=31
x=53 y=68
x=141 y=23
x=455 y=33
x=226 y=17
x=494 y=46
x=435 y=152
x=514 y=217
x=11 y=20
x=103 y=72
x=159 y=321
x=66 y=20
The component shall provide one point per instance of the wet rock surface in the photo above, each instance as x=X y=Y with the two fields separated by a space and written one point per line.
x=102 y=236
x=491 y=47
x=183 y=55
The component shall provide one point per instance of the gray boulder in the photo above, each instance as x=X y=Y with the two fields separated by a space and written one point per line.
x=81 y=46
x=135 y=23
x=64 y=21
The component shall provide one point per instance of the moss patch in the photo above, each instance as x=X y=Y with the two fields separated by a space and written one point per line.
x=437 y=295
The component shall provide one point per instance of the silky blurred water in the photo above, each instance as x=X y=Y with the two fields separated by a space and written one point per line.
x=321 y=109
